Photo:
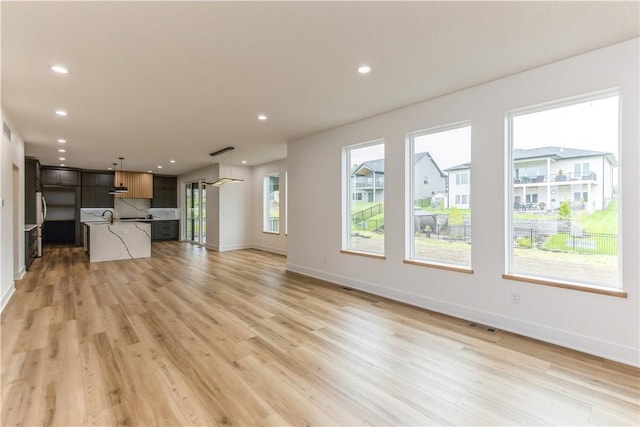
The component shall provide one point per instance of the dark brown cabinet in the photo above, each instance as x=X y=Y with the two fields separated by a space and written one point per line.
x=165 y=191
x=31 y=187
x=165 y=230
x=60 y=177
x=95 y=190
x=30 y=247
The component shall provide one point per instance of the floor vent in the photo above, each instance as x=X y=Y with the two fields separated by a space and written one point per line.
x=483 y=327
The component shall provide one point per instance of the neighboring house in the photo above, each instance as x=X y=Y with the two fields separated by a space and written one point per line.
x=459 y=186
x=429 y=180
x=545 y=177
x=368 y=179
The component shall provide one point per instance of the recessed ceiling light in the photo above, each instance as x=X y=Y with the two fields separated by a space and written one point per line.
x=62 y=141
x=62 y=164
x=262 y=117
x=149 y=171
x=172 y=161
x=364 y=69
x=244 y=162
x=159 y=166
x=59 y=69
x=110 y=168
x=61 y=150
x=61 y=113
x=61 y=158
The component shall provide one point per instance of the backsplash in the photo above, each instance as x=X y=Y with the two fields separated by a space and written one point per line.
x=129 y=208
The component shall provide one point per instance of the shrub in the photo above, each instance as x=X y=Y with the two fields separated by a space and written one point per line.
x=524 y=242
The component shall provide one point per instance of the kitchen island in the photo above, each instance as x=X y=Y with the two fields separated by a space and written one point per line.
x=106 y=241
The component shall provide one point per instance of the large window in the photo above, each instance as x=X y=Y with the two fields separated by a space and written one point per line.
x=439 y=221
x=271 y=210
x=363 y=223
x=563 y=193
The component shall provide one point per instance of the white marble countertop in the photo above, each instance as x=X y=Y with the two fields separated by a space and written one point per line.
x=119 y=240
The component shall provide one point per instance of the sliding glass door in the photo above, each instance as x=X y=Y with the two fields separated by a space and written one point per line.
x=196 y=212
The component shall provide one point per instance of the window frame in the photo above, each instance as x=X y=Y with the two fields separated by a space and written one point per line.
x=509 y=194
x=347 y=198
x=266 y=203
x=410 y=191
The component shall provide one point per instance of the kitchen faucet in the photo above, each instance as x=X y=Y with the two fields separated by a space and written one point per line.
x=111 y=217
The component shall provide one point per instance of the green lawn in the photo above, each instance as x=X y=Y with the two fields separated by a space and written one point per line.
x=601 y=245
x=605 y=221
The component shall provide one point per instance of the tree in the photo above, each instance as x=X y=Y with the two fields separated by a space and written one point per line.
x=564 y=210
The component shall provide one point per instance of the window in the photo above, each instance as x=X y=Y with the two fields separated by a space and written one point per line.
x=570 y=231
x=363 y=222
x=195 y=212
x=439 y=212
x=462 y=178
x=271 y=211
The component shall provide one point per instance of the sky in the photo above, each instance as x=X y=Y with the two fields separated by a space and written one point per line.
x=589 y=125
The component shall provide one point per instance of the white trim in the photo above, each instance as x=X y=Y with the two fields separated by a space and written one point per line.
x=7 y=297
x=271 y=249
x=609 y=350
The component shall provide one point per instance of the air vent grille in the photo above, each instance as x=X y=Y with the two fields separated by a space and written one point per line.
x=6 y=130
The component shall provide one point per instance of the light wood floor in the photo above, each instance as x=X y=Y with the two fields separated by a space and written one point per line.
x=193 y=337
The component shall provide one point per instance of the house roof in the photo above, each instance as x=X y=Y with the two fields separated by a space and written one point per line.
x=378 y=164
x=459 y=167
x=556 y=153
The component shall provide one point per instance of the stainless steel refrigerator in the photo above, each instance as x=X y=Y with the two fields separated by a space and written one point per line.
x=41 y=214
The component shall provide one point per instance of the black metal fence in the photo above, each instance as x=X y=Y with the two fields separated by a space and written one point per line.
x=565 y=241
x=364 y=214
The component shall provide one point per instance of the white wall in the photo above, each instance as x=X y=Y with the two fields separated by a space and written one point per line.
x=271 y=242
x=11 y=154
x=598 y=324
x=228 y=207
x=235 y=210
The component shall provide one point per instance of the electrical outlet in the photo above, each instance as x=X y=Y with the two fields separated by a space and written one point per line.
x=515 y=297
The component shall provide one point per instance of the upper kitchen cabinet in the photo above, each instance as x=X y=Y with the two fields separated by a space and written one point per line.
x=165 y=191
x=95 y=190
x=59 y=176
x=139 y=185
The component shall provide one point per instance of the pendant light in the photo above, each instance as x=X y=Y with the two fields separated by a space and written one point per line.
x=120 y=188
x=223 y=180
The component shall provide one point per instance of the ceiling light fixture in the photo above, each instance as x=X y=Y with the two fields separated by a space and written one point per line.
x=61 y=113
x=159 y=166
x=59 y=69
x=244 y=162
x=364 y=69
x=120 y=188
x=262 y=117
x=61 y=158
x=223 y=180
x=62 y=164
x=61 y=150
x=172 y=161
x=62 y=141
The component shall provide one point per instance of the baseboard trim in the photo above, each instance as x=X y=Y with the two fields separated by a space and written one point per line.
x=596 y=347
x=271 y=249
x=7 y=297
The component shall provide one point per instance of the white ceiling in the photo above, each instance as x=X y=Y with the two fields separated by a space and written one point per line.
x=154 y=81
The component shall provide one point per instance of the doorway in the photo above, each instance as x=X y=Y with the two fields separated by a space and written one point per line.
x=196 y=212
